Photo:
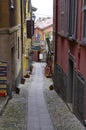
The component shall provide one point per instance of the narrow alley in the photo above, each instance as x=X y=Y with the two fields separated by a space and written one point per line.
x=38 y=116
x=37 y=107
x=42 y=65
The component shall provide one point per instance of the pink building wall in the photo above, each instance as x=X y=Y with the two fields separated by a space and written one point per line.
x=65 y=46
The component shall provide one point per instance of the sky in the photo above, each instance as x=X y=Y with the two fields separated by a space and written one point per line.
x=44 y=8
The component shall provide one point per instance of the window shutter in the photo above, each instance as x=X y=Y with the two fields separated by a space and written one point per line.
x=30 y=28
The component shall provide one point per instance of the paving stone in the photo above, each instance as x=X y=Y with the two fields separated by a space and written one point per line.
x=61 y=117
x=14 y=116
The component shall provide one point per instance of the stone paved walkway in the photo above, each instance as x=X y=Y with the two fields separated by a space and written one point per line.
x=61 y=117
x=15 y=114
x=38 y=115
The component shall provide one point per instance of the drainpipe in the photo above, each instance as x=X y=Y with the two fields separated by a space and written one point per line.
x=55 y=40
x=56 y=32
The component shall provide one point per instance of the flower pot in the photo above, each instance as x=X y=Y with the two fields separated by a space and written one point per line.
x=22 y=81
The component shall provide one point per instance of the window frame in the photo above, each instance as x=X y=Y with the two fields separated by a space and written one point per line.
x=83 y=23
x=62 y=16
x=72 y=18
x=66 y=17
x=75 y=19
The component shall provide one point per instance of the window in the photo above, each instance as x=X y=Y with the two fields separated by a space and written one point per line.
x=11 y=4
x=84 y=21
x=69 y=17
x=85 y=2
x=66 y=18
x=62 y=15
x=72 y=17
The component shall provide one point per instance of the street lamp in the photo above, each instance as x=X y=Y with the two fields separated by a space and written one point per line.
x=33 y=17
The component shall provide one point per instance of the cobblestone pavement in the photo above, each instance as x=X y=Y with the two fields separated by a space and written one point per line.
x=61 y=117
x=14 y=116
x=38 y=115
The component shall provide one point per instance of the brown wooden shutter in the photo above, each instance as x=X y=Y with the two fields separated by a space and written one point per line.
x=30 y=28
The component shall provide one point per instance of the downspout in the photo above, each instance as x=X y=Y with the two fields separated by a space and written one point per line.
x=55 y=41
x=56 y=32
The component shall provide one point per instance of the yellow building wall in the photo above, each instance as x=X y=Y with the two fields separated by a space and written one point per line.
x=26 y=48
x=10 y=39
x=26 y=45
x=17 y=13
x=27 y=13
x=4 y=13
x=9 y=16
